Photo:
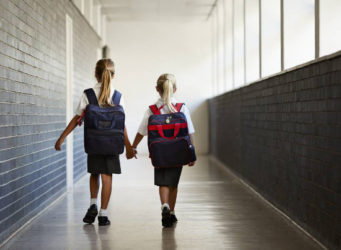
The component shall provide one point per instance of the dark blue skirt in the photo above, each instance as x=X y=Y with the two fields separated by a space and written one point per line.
x=104 y=164
x=167 y=176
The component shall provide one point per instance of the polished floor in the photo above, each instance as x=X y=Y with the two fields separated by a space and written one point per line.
x=215 y=211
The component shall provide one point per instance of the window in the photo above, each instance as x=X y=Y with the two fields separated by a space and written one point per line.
x=229 y=71
x=69 y=98
x=238 y=43
x=330 y=26
x=217 y=64
x=259 y=38
x=299 y=32
x=221 y=47
x=214 y=52
x=271 y=37
x=252 y=39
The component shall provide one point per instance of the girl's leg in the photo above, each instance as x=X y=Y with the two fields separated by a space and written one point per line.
x=92 y=211
x=164 y=197
x=173 y=193
x=94 y=185
x=106 y=190
x=164 y=194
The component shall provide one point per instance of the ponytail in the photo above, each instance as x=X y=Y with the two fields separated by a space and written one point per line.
x=104 y=72
x=105 y=89
x=166 y=85
x=167 y=95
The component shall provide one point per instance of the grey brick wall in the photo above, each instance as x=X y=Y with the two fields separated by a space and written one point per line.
x=282 y=135
x=32 y=103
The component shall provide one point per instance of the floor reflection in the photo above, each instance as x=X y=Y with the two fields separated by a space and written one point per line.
x=91 y=233
x=168 y=238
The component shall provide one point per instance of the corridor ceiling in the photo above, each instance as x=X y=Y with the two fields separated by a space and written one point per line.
x=156 y=10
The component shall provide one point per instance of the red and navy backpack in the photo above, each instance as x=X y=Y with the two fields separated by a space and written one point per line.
x=169 y=143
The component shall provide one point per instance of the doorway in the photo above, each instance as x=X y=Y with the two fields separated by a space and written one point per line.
x=69 y=101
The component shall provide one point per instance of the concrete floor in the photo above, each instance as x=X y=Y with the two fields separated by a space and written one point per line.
x=214 y=210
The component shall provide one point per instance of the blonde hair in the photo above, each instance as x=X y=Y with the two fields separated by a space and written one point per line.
x=166 y=84
x=105 y=70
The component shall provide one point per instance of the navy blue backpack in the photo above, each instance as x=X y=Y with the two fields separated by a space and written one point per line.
x=103 y=126
x=169 y=143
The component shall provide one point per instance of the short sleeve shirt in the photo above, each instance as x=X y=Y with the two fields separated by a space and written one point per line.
x=97 y=89
x=143 y=128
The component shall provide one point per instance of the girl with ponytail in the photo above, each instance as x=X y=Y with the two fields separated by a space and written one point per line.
x=100 y=165
x=166 y=178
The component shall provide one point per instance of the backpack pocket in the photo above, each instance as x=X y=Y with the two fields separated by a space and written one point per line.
x=170 y=153
x=104 y=142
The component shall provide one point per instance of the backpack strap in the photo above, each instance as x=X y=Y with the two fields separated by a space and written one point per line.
x=155 y=109
x=116 y=97
x=90 y=94
x=178 y=106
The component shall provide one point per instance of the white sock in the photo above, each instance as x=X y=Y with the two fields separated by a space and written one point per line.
x=172 y=212
x=93 y=201
x=103 y=212
x=165 y=205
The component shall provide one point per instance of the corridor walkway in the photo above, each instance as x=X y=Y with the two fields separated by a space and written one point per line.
x=215 y=211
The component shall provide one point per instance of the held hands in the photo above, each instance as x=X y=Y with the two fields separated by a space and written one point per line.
x=131 y=153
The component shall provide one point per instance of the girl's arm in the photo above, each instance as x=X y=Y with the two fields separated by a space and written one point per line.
x=66 y=132
x=130 y=152
x=143 y=128
x=137 y=140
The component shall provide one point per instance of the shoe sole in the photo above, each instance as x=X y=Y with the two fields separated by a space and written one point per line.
x=104 y=224
x=101 y=225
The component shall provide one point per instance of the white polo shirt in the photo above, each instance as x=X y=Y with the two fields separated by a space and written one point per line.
x=97 y=89
x=143 y=128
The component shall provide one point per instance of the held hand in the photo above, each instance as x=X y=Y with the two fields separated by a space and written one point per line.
x=130 y=153
x=191 y=164
x=58 y=144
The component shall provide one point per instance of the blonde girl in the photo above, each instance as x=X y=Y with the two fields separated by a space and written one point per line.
x=166 y=178
x=99 y=165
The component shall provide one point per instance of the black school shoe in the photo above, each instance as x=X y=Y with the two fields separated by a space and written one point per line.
x=103 y=221
x=173 y=218
x=91 y=214
x=166 y=217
